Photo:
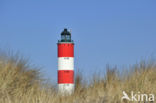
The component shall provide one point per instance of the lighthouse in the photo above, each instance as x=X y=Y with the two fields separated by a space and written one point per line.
x=65 y=63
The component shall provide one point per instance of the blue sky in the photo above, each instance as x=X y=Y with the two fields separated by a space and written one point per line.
x=115 y=32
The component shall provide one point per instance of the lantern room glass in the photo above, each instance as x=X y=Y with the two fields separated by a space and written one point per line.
x=66 y=38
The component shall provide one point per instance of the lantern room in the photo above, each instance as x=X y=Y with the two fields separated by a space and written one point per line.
x=65 y=36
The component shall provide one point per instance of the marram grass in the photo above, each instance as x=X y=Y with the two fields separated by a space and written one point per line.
x=22 y=83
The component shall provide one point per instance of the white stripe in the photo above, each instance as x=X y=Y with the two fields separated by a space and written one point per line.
x=65 y=63
x=65 y=88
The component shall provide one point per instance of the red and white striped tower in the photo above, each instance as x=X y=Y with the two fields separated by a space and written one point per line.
x=65 y=63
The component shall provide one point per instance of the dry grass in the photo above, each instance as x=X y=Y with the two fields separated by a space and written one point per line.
x=21 y=83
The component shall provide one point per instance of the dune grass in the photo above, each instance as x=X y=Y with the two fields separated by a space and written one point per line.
x=22 y=83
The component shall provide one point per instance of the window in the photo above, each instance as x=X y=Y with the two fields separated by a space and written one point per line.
x=68 y=37
x=62 y=37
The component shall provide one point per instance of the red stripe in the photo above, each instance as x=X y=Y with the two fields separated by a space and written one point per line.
x=66 y=50
x=65 y=76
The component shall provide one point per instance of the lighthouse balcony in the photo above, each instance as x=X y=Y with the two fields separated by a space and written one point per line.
x=65 y=41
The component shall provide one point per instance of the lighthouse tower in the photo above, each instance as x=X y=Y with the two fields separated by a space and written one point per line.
x=65 y=63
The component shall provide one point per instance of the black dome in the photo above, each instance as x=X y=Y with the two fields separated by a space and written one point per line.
x=65 y=32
